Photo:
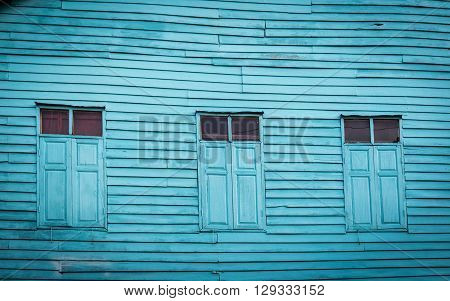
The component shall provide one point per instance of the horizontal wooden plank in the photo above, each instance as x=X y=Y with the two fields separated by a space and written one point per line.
x=439 y=11
x=141 y=8
x=344 y=274
x=154 y=64
x=155 y=209
x=218 y=257
x=152 y=219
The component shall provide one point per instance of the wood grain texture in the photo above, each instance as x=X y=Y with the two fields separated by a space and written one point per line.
x=152 y=64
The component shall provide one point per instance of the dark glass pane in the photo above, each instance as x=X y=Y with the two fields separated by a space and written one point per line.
x=54 y=121
x=245 y=128
x=87 y=123
x=386 y=130
x=357 y=130
x=214 y=127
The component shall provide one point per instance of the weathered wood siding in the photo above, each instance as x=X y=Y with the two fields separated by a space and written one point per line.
x=303 y=62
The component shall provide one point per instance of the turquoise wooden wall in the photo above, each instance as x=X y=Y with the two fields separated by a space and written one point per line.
x=303 y=63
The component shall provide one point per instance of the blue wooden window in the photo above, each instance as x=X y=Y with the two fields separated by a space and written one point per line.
x=374 y=185
x=71 y=173
x=230 y=173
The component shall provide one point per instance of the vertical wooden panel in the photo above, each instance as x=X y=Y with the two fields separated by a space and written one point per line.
x=88 y=195
x=359 y=190
x=55 y=182
x=215 y=185
x=389 y=184
x=247 y=186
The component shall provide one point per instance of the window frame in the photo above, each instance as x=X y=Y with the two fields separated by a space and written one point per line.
x=350 y=229
x=372 y=129
x=71 y=124
x=229 y=116
x=39 y=134
x=199 y=140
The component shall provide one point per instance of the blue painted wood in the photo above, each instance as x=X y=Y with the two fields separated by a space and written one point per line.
x=303 y=63
x=71 y=179
x=88 y=183
x=248 y=199
x=231 y=186
x=215 y=184
x=360 y=193
x=374 y=187
x=55 y=174
x=389 y=185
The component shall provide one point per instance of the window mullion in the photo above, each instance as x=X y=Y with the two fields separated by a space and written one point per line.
x=230 y=174
x=376 y=205
x=70 y=121
x=230 y=132
x=71 y=167
x=372 y=135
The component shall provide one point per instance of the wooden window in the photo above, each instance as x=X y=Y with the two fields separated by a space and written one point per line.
x=87 y=123
x=214 y=128
x=230 y=173
x=245 y=128
x=373 y=174
x=84 y=122
x=71 y=178
x=54 y=121
x=357 y=130
x=372 y=130
x=71 y=169
x=386 y=130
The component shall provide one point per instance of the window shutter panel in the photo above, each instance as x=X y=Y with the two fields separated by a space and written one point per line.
x=389 y=184
x=55 y=182
x=215 y=185
x=359 y=190
x=247 y=186
x=88 y=183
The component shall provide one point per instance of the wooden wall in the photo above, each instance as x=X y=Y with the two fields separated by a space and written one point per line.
x=303 y=62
